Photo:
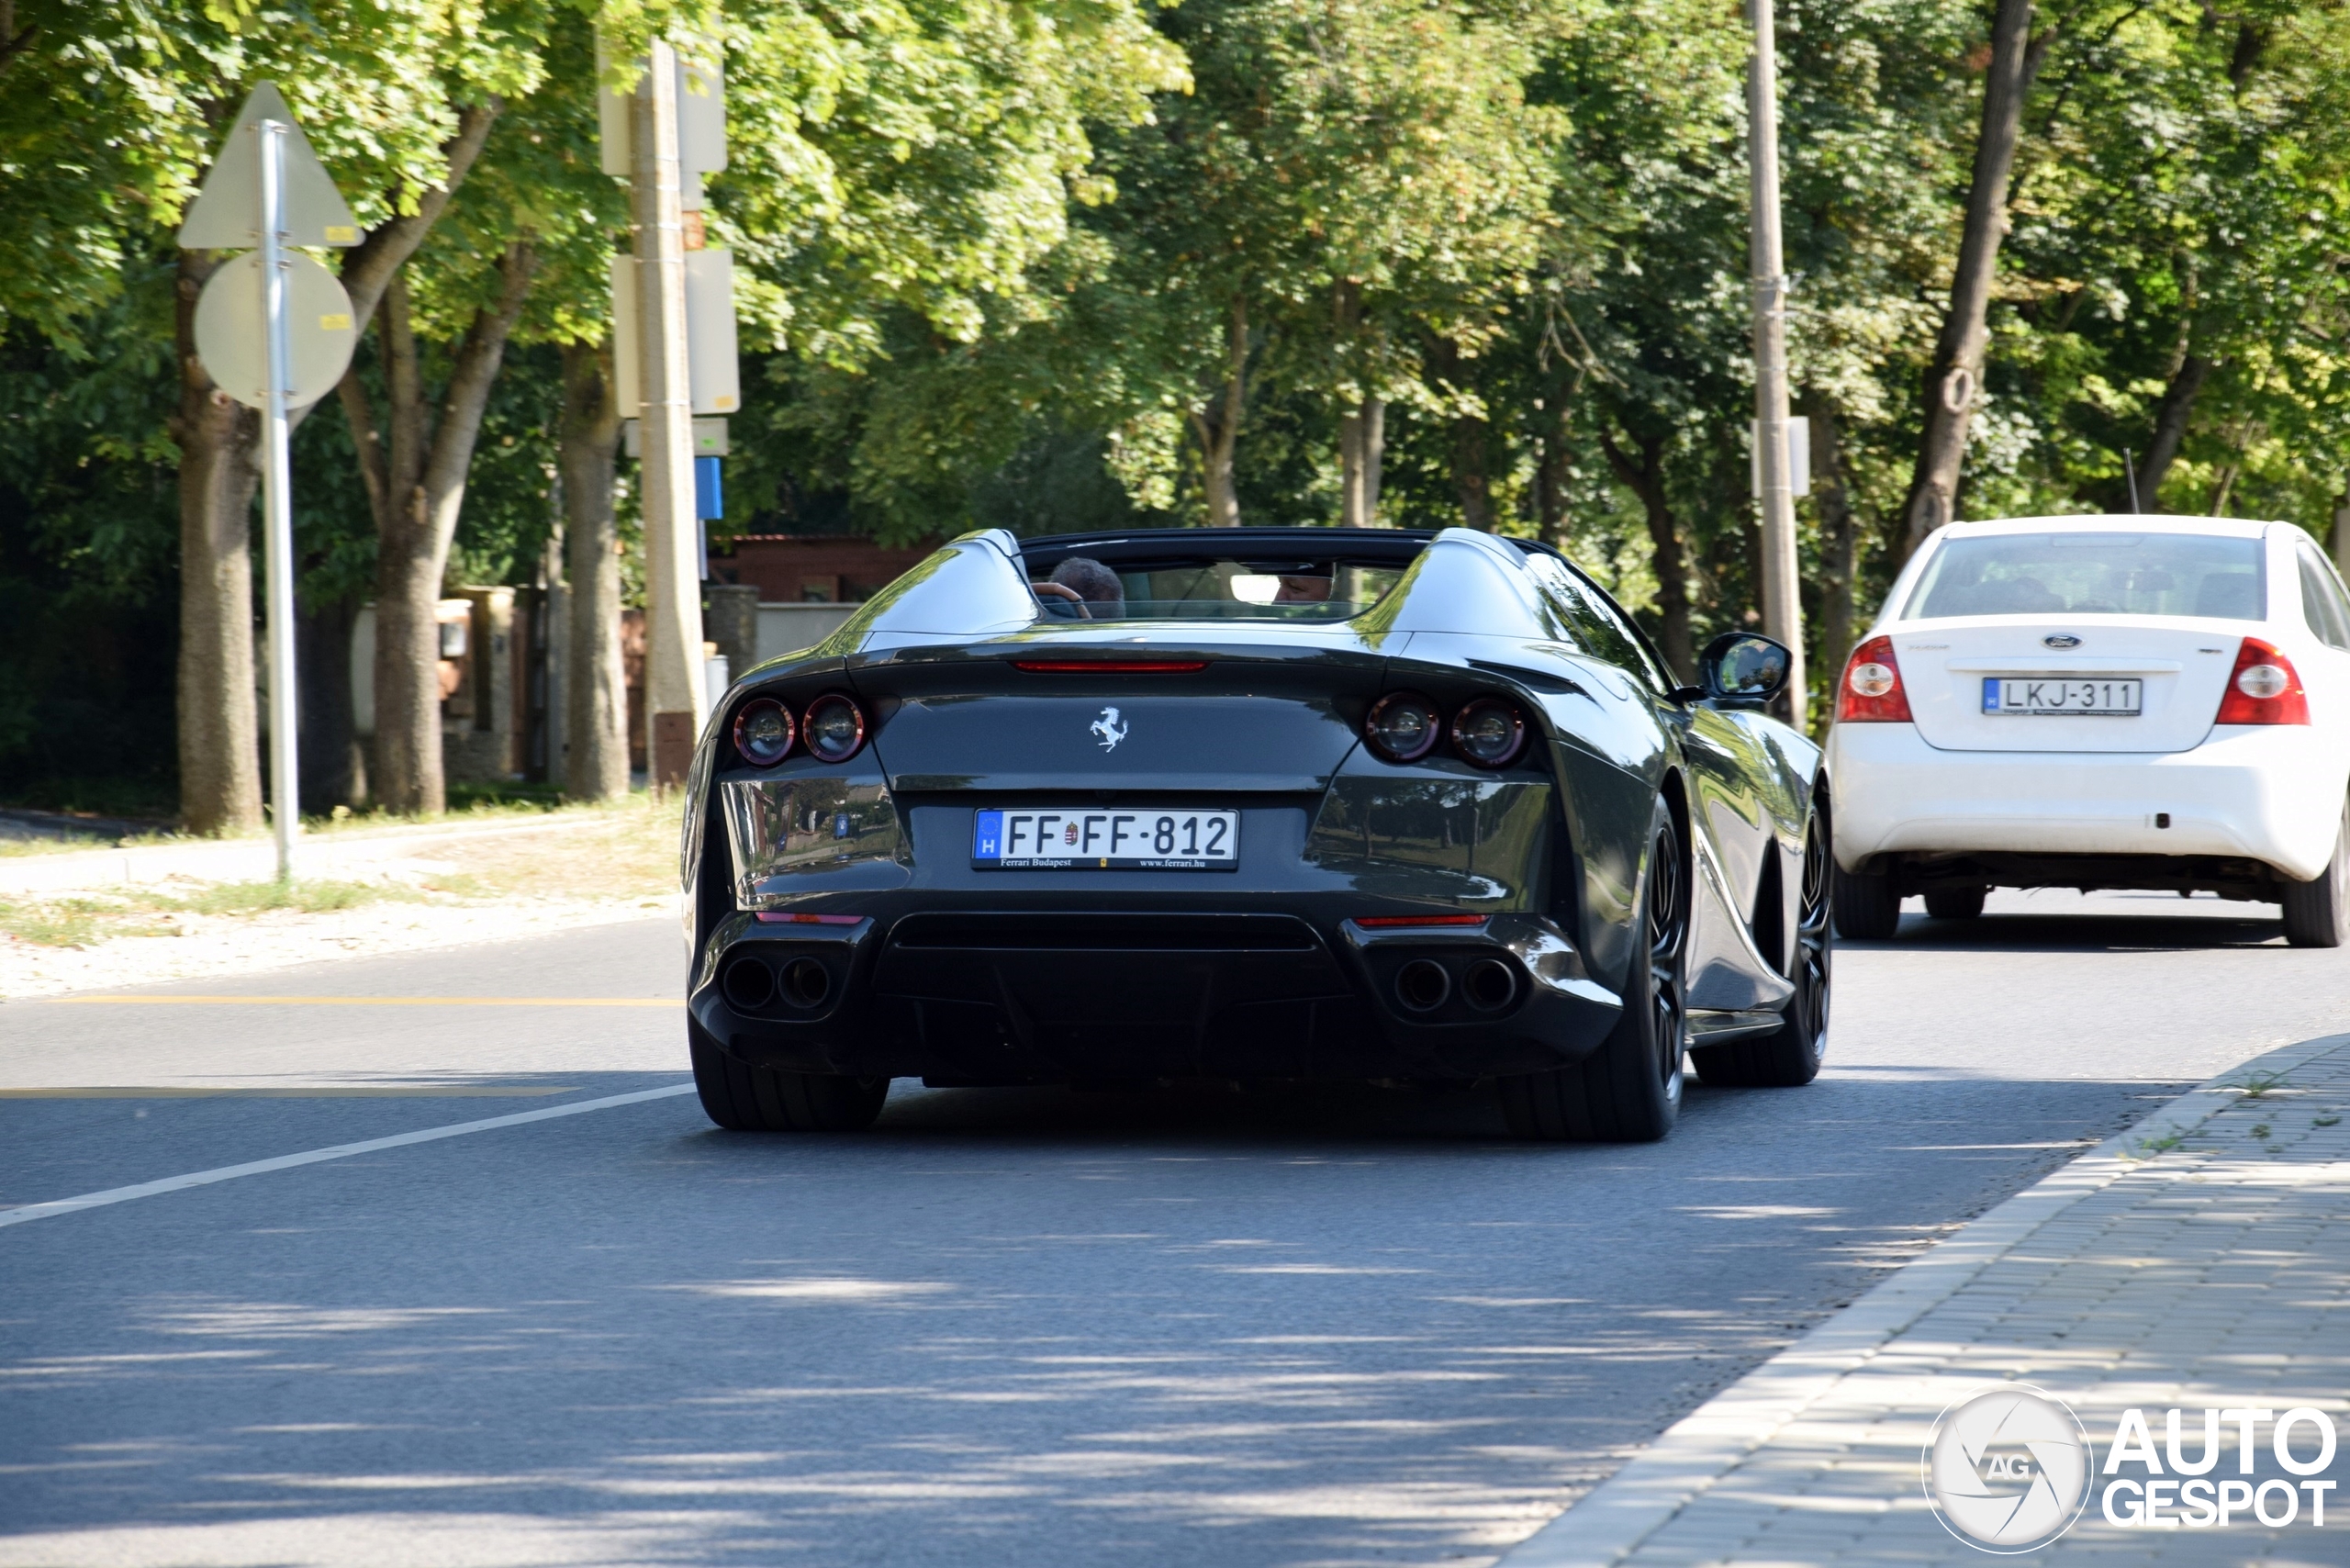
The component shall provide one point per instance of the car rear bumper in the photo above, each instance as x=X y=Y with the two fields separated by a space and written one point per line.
x=986 y=996
x=2268 y=793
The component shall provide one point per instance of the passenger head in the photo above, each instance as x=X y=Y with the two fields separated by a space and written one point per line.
x=1091 y=581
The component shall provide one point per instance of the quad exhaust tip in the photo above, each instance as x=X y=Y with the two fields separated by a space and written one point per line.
x=1490 y=985
x=748 y=985
x=806 y=983
x=1421 y=985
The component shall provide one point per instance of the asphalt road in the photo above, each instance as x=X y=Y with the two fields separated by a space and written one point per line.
x=1305 y=1329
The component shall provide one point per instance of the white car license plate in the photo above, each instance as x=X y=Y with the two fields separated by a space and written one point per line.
x=1106 y=840
x=2035 y=694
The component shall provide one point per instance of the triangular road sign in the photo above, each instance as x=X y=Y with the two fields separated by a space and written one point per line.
x=227 y=214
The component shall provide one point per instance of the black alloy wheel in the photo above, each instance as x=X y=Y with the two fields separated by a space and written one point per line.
x=742 y=1098
x=1791 y=1056
x=1628 y=1091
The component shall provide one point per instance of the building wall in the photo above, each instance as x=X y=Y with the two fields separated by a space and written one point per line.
x=791 y=568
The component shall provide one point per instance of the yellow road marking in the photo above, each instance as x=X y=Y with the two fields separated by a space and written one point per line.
x=366 y=1001
x=335 y=1092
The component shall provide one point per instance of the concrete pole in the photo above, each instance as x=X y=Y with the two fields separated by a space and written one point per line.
x=1782 y=600
x=676 y=700
x=277 y=502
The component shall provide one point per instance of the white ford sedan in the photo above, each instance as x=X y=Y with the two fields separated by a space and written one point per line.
x=2099 y=703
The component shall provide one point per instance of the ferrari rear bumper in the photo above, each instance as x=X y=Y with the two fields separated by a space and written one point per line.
x=986 y=997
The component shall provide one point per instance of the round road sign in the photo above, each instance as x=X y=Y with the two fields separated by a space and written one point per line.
x=232 y=339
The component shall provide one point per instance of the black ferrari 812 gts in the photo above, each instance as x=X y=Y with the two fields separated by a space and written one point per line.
x=1254 y=805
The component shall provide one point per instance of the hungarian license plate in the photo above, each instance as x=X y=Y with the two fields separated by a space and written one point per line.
x=1106 y=840
x=2035 y=694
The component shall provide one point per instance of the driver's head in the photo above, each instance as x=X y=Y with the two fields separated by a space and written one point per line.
x=1090 y=580
x=1303 y=588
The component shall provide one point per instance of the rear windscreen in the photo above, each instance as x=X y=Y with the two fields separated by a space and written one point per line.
x=2094 y=574
x=1200 y=589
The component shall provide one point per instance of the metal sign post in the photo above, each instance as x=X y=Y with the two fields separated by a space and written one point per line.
x=281 y=198
x=278 y=511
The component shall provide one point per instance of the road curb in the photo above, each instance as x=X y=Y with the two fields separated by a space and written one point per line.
x=1610 y=1522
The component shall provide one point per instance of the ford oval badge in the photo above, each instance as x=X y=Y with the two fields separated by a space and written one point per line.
x=2060 y=640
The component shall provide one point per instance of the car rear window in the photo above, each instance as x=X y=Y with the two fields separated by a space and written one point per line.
x=2090 y=573
x=1212 y=589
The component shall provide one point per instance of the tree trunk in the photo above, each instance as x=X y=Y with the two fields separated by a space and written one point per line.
x=219 y=724
x=1840 y=538
x=1362 y=428
x=1217 y=424
x=1954 y=382
x=412 y=545
x=1362 y=448
x=1471 y=481
x=219 y=742
x=594 y=767
x=2171 y=418
x=1646 y=480
x=1469 y=476
x=1553 y=458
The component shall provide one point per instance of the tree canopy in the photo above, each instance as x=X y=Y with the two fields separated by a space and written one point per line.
x=1056 y=264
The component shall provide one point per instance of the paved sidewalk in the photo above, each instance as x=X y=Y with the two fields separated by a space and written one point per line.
x=2202 y=1259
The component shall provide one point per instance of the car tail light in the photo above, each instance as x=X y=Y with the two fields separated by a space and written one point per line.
x=763 y=733
x=1403 y=726
x=834 y=727
x=2263 y=688
x=782 y=917
x=1110 y=667
x=1489 y=733
x=1872 y=692
x=1384 y=922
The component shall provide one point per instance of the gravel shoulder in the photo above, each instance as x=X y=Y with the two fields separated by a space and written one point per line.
x=146 y=914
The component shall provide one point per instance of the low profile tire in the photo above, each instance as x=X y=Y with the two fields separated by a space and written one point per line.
x=2317 y=913
x=745 y=1099
x=1867 y=907
x=1628 y=1091
x=1955 y=904
x=1790 y=1058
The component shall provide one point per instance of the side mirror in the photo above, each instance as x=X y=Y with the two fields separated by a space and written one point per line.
x=1745 y=669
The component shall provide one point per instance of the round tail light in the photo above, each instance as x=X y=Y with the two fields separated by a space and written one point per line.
x=834 y=727
x=763 y=733
x=1403 y=726
x=1490 y=731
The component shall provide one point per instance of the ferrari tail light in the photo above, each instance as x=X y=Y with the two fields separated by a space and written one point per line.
x=1872 y=692
x=834 y=726
x=2263 y=688
x=1489 y=732
x=1403 y=726
x=763 y=732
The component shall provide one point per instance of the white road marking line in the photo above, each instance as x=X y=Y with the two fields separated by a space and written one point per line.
x=318 y=1156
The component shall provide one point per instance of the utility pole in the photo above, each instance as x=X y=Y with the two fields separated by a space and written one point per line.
x=677 y=698
x=1781 y=599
